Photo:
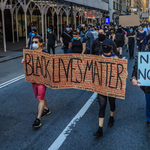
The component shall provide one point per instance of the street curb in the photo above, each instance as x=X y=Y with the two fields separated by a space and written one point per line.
x=11 y=58
x=7 y=59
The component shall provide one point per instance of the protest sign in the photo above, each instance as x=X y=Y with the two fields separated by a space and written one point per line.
x=129 y=20
x=106 y=76
x=144 y=68
x=144 y=15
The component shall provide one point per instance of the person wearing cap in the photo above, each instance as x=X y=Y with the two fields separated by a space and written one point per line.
x=120 y=38
x=107 y=52
x=66 y=39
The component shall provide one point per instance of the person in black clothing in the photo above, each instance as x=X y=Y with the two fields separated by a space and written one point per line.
x=120 y=39
x=51 y=40
x=141 y=36
x=108 y=33
x=131 y=40
x=97 y=44
x=145 y=89
x=106 y=52
x=66 y=39
x=77 y=44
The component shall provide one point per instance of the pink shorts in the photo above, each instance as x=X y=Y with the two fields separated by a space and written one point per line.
x=39 y=91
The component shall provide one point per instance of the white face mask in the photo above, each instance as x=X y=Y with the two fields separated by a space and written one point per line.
x=35 y=46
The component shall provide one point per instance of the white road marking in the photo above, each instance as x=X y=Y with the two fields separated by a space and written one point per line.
x=62 y=137
x=11 y=81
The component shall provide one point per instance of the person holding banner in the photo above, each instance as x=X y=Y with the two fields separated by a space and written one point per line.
x=141 y=36
x=39 y=89
x=107 y=52
x=146 y=89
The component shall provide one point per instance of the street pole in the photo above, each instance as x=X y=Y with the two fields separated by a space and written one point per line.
x=71 y=15
x=110 y=10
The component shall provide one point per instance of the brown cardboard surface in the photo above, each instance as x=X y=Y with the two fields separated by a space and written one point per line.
x=106 y=76
x=129 y=20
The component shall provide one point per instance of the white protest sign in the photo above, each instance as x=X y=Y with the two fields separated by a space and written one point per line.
x=144 y=68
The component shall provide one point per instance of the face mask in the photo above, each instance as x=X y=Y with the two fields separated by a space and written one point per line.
x=131 y=30
x=68 y=29
x=141 y=29
x=119 y=29
x=106 y=50
x=35 y=46
x=101 y=37
x=75 y=38
x=33 y=34
x=82 y=29
x=48 y=30
x=78 y=31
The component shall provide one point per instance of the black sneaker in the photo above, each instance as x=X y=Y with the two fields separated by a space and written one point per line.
x=98 y=133
x=110 y=122
x=37 y=123
x=148 y=124
x=45 y=113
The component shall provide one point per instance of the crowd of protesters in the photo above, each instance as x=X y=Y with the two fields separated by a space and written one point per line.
x=101 y=40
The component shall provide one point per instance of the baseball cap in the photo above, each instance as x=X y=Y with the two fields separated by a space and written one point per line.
x=106 y=42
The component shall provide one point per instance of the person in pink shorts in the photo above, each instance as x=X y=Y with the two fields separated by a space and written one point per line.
x=39 y=89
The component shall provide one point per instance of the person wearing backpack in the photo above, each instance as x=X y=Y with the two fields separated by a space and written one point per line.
x=66 y=39
x=77 y=44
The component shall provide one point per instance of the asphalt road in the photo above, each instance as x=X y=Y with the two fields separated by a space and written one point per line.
x=18 y=110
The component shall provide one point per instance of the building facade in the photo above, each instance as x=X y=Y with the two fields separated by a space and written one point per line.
x=16 y=15
x=116 y=7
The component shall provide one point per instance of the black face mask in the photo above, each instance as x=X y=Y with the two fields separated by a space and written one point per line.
x=119 y=29
x=82 y=29
x=101 y=37
x=107 y=50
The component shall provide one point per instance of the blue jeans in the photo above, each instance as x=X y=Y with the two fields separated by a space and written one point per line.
x=147 y=95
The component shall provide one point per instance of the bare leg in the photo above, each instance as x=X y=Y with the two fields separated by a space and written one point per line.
x=41 y=108
x=120 y=50
x=112 y=113
x=45 y=106
x=101 y=122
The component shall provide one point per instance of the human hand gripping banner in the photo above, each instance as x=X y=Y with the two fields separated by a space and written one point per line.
x=106 y=76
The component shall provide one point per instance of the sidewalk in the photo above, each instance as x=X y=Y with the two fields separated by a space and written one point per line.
x=14 y=50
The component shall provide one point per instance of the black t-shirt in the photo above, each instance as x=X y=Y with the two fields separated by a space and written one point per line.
x=51 y=38
x=130 y=39
x=119 y=36
x=77 y=45
x=66 y=38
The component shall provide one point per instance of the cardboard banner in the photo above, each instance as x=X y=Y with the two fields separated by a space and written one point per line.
x=144 y=68
x=129 y=20
x=106 y=76
x=144 y=15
